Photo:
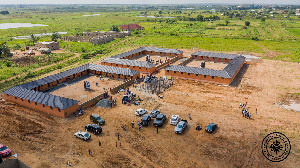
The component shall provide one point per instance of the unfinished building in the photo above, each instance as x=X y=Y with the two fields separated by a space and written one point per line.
x=47 y=44
x=122 y=60
x=98 y=37
x=31 y=94
x=225 y=76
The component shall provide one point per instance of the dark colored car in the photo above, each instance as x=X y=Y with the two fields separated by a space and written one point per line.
x=154 y=113
x=94 y=128
x=146 y=120
x=181 y=126
x=211 y=127
x=160 y=119
x=4 y=151
x=97 y=119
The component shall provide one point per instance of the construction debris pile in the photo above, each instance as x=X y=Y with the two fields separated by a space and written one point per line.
x=154 y=85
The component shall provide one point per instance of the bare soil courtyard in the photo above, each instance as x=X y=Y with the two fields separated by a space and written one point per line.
x=75 y=89
x=208 y=65
x=153 y=57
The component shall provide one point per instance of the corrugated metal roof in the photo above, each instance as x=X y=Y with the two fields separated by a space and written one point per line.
x=111 y=69
x=227 y=72
x=234 y=65
x=129 y=62
x=218 y=55
x=154 y=49
x=40 y=97
x=195 y=70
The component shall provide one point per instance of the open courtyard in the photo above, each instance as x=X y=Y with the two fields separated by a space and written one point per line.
x=75 y=89
x=208 y=65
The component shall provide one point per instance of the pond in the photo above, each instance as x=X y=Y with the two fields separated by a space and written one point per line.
x=156 y=17
x=38 y=35
x=92 y=15
x=18 y=25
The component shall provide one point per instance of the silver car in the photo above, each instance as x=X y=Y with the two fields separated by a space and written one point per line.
x=82 y=135
x=181 y=126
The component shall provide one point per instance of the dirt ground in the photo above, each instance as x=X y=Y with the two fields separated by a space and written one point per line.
x=154 y=58
x=42 y=140
x=208 y=65
x=19 y=53
x=75 y=90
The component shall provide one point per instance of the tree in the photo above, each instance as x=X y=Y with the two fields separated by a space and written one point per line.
x=33 y=38
x=114 y=28
x=4 y=50
x=55 y=36
x=263 y=19
x=200 y=18
x=227 y=22
x=4 y=12
x=160 y=12
x=247 y=23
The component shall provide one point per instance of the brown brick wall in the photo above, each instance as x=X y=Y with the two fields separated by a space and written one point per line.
x=40 y=107
x=215 y=79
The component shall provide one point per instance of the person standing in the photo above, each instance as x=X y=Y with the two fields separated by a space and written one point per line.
x=118 y=137
x=157 y=130
x=132 y=124
x=140 y=127
x=256 y=111
x=116 y=144
x=99 y=143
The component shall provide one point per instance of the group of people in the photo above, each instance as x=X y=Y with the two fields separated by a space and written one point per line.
x=139 y=124
x=245 y=112
x=148 y=59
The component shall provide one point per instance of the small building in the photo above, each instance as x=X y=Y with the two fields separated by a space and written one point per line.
x=45 y=50
x=130 y=27
x=30 y=52
x=297 y=12
x=48 y=44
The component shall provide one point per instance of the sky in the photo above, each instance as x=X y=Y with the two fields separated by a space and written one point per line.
x=148 y=1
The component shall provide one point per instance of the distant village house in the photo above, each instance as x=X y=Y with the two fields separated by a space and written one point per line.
x=297 y=12
x=47 y=44
x=130 y=27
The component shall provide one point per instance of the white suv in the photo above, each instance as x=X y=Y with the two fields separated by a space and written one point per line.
x=174 y=119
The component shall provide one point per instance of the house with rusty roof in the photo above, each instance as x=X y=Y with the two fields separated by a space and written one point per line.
x=131 y=27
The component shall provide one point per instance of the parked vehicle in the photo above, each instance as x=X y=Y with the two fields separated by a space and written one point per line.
x=97 y=119
x=174 y=120
x=160 y=119
x=154 y=113
x=181 y=126
x=145 y=121
x=211 y=127
x=94 y=128
x=82 y=135
x=140 y=112
x=4 y=151
x=80 y=111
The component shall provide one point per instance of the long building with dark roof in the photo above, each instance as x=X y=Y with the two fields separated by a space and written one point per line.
x=122 y=60
x=31 y=94
x=224 y=76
